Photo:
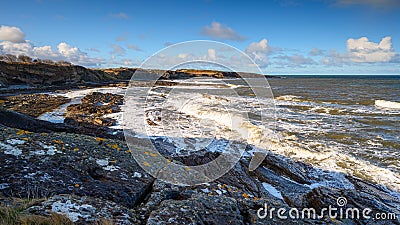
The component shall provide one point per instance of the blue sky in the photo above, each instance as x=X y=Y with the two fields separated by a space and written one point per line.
x=283 y=37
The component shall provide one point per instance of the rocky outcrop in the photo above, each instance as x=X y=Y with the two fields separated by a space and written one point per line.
x=48 y=74
x=88 y=178
x=24 y=122
x=92 y=109
x=97 y=171
x=38 y=73
x=33 y=104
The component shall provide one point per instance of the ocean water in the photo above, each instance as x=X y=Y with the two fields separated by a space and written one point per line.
x=338 y=124
x=344 y=124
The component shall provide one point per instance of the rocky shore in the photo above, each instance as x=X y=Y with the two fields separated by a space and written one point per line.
x=87 y=179
x=82 y=172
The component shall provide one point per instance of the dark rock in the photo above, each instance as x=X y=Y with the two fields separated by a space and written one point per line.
x=33 y=104
x=90 y=113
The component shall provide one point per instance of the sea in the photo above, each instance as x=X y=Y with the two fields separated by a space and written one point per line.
x=348 y=125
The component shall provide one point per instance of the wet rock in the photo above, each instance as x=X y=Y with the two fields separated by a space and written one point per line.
x=24 y=122
x=91 y=112
x=33 y=104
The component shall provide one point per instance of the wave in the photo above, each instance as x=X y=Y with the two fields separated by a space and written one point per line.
x=207 y=107
x=289 y=98
x=387 y=104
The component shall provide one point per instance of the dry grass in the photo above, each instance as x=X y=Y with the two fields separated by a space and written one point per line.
x=11 y=216
x=12 y=213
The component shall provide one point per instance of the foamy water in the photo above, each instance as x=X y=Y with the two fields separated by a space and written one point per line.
x=339 y=126
x=339 y=135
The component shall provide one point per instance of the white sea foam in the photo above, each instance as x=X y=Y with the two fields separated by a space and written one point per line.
x=272 y=190
x=289 y=98
x=58 y=115
x=387 y=104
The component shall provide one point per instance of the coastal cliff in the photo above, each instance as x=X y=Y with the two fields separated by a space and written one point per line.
x=40 y=73
x=48 y=74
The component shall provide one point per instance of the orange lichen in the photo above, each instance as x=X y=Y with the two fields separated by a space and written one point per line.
x=76 y=185
x=23 y=132
x=58 y=141
x=76 y=149
x=100 y=139
x=245 y=195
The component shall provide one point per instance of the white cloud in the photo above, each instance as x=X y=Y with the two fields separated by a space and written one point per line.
x=211 y=54
x=182 y=55
x=334 y=58
x=18 y=46
x=24 y=48
x=220 y=31
x=261 y=46
x=259 y=51
x=363 y=50
x=11 y=34
x=45 y=52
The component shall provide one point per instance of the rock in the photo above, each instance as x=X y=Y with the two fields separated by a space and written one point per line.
x=62 y=163
x=24 y=122
x=33 y=104
x=48 y=74
x=90 y=113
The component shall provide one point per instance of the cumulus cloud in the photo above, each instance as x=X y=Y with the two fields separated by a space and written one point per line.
x=11 y=34
x=211 y=54
x=259 y=52
x=363 y=50
x=17 y=46
x=223 y=32
x=334 y=58
x=120 y=15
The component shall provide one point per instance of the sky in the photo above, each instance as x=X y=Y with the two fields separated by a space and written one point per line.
x=282 y=37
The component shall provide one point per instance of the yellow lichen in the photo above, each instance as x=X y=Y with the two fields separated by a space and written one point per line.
x=146 y=164
x=58 y=141
x=76 y=149
x=23 y=132
x=100 y=139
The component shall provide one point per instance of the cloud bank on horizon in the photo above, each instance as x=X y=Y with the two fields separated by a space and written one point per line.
x=284 y=43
